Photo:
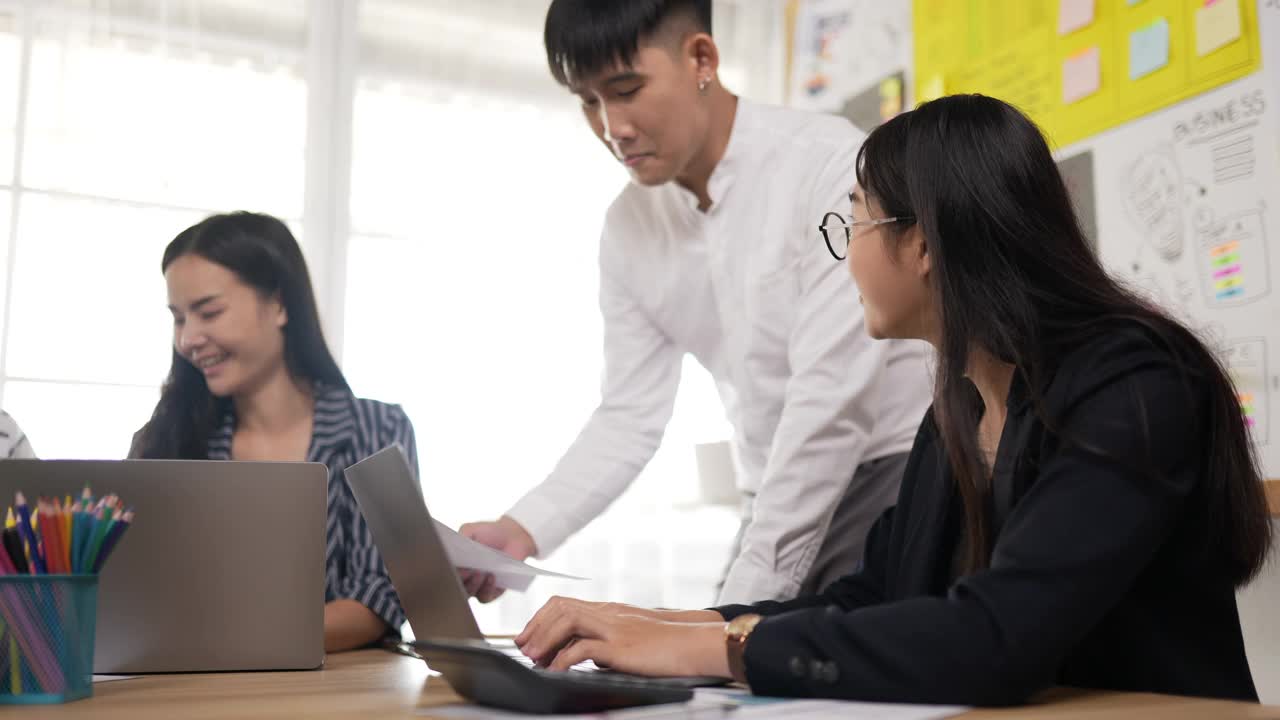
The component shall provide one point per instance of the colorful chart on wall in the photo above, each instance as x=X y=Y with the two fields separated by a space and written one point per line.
x=1079 y=67
x=849 y=57
x=1187 y=202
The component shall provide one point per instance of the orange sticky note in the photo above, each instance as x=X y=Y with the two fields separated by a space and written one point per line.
x=1081 y=75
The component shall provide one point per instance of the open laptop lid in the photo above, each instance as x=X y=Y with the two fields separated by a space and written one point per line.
x=223 y=568
x=427 y=583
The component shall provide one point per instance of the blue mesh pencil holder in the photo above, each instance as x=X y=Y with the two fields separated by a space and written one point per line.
x=46 y=642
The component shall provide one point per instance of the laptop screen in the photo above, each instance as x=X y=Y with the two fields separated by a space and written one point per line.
x=427 y=583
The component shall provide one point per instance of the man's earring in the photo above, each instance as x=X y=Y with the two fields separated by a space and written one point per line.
x=702 y=85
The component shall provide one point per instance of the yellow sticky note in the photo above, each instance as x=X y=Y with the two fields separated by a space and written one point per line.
x=933 y=88
x=1074 y=14
x=1217 y=24
x=1081 y=75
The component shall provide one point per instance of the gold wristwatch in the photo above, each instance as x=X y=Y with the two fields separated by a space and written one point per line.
x=735 y=640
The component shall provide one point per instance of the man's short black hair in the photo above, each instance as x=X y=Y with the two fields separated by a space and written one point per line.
x=586 y=36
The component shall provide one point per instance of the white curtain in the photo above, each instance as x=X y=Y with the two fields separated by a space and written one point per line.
x=120 y=124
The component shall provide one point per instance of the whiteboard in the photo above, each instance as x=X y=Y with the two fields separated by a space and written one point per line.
x=1183 y=204
x=1186 y=203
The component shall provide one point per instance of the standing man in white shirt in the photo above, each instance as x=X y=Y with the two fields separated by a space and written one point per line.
x=14 y=445
x=713 y=249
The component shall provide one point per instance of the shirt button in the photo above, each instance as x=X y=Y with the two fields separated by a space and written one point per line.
x=830 y=673
x=817 y=670
x=797 y=667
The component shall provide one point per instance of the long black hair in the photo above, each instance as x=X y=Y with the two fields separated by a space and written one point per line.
x=1014 y=275
x=264 y=255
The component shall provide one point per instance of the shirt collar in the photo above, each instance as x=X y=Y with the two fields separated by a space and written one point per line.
x=336 y=405
x=723 y=174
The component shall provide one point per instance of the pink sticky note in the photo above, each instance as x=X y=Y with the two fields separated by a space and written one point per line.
x=1073 y=15
x=1081 y=75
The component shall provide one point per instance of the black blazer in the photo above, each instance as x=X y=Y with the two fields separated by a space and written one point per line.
x=1094 y=581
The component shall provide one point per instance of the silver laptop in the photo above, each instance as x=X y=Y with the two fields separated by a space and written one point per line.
x=223 y=568
x=431 y=594
x=430 y=591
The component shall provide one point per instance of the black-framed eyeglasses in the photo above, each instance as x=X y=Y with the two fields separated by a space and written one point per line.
x=837 y=230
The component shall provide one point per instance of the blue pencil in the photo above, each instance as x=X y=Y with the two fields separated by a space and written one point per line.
x=113 y=537
x=29 y=536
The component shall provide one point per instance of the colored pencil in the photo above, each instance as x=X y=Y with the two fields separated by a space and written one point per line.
x=113 y=538
x=49 y=536
x=102 y=523
x=29 y=535
x=68 y=534
x=13 y=543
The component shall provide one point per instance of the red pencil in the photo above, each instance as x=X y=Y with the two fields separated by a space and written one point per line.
x=49 y=524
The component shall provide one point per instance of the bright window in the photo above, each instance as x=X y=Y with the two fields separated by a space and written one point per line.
x=138 y=120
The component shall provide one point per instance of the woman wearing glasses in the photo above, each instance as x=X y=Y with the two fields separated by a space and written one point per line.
x=1081 y=500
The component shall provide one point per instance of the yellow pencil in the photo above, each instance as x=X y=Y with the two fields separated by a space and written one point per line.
x=15 y=670
x=66 y=518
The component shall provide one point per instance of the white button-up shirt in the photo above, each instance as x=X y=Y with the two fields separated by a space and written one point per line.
x=749 y=289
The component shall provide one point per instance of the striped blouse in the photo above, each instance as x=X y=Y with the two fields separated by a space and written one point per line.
x=345 y=430
x=13 y=444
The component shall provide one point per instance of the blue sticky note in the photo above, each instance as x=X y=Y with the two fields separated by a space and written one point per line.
x=1148 y=48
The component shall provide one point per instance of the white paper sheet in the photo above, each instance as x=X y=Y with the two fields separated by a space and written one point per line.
x=697 y=709
x=112 y=678
x=753 y=707
x=730 y=705
x=510 y=573
x=839 y=710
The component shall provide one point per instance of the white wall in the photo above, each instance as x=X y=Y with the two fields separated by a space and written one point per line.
x=1260 y=617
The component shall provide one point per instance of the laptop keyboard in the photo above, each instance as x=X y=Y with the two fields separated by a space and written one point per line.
x=605 y=679
x=514 y=653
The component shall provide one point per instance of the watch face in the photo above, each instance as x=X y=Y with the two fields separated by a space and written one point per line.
x=742 y=626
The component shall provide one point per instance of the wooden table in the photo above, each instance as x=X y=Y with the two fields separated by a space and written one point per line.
x=376 y=683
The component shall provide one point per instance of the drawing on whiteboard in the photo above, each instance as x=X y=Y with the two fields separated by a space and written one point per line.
x=1153 y=198
x=1233 y=159
x=1233 y=259
x=1176 y=300
x=835 y=59
x=1184 y=290
x=1246 y=361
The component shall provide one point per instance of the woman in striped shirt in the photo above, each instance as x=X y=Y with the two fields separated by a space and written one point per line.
x=253 y=379
x=13 y=443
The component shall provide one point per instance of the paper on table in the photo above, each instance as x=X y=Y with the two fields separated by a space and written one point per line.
x=110 y=678
x=732 y=706
x=760 y=706
x=510 y=573
x=840 y=710
x=693 y=710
